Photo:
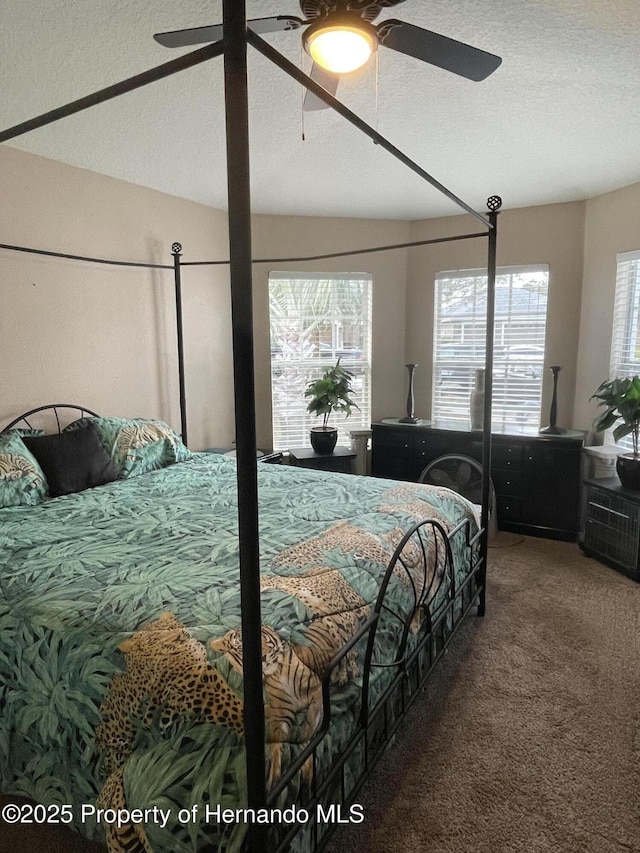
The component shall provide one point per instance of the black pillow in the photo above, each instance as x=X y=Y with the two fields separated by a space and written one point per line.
x=73 y=461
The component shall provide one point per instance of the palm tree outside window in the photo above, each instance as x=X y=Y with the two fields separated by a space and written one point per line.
x=316 y=318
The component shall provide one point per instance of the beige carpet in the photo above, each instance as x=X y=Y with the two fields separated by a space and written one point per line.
x=528 y=737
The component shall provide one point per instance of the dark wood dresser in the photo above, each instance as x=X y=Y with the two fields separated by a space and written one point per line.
x=536 y=477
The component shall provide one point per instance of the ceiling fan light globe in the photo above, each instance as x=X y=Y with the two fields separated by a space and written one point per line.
x=339 y=49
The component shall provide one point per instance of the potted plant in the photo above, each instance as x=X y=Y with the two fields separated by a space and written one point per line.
x=332 y=392
x=621 y=399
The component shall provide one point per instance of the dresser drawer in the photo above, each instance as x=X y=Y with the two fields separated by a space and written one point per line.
x=506 y=481
x=431 y=446
x=507 y=456
x=509 y=508
x=392 y=454
x=393 y=439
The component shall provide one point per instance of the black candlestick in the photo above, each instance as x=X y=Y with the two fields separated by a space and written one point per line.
x=552 y=429
x=410 y=419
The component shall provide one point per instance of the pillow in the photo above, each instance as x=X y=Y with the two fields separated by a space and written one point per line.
x=73 y=461
x=22 y=431
x=22 y=481
x=137 y=445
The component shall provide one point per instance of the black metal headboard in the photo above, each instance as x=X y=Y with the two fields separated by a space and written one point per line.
x=23 y=420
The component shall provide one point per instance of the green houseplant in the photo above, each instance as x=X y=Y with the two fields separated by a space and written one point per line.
x=621 y=401
x=332 y=392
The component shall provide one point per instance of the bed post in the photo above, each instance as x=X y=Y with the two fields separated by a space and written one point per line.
x=239 y=206
x=176 y=249
x=494 y=203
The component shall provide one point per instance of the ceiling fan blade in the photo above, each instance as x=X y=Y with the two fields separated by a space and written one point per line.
x=446 y=53
x=196 y=35
x=463 y=475
x=440 y=477
x=325 y=79
x=202 y=35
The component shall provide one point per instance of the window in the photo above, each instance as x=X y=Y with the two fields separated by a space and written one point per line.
x=459 y=343
x=625 y=337
x=315 y=319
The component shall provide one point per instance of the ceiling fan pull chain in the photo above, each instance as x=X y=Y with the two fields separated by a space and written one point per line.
x=302 y=94
x=377 y=91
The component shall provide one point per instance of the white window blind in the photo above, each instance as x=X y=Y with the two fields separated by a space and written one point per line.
x=519 y=338
x=625 y=336
x=625 y=339
x=316 y=318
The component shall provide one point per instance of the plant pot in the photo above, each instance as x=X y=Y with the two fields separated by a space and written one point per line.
x=628 y=468
x=324 y=439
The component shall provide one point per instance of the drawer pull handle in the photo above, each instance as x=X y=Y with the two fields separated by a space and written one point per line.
x=609 y=510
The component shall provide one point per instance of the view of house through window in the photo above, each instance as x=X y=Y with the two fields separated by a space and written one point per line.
x=316 y=318
x=459 y=344
x=625 y=337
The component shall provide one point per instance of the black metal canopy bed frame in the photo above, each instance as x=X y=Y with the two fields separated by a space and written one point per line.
x=412 y=663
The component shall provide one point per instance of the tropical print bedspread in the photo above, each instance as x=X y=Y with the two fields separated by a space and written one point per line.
x=120 y=649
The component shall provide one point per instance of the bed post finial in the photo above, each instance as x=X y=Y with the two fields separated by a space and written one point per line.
x=176 y=248
x=494 y=203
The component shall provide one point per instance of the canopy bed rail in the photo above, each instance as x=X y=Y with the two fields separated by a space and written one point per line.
x=424 y=560
x=413 y=663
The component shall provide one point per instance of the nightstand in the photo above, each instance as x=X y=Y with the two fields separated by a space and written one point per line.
x=340 y=461
x=612 y=525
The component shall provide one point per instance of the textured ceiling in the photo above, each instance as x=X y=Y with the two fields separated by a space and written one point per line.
x=559 y=120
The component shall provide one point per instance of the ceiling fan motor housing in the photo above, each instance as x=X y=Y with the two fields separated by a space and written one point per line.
x=367 y=10
x=341 y=21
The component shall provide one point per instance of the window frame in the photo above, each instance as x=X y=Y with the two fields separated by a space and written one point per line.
x=626 y=316
x=625 y=327
x=459 y=326
x=303 y=345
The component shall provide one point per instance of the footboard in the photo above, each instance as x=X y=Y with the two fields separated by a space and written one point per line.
x=400 y=647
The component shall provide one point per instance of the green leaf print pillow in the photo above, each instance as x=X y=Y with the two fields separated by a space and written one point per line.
x=22 y=482
x=138 y=445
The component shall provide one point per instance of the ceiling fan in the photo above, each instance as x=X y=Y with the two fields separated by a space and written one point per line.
x=340 y=36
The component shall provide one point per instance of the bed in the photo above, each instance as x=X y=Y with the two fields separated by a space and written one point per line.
x=120 y=643
x=414 y=570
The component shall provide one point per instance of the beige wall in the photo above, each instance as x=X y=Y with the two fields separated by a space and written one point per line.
x=612 y=225
x=550 y=234
x=284 y=236
x=104 y=336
